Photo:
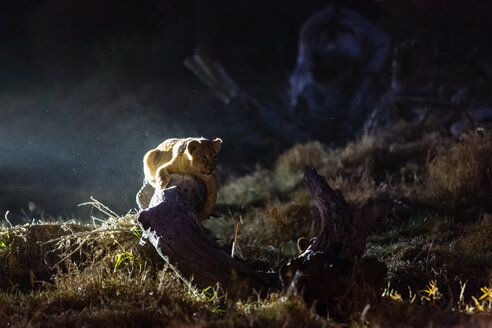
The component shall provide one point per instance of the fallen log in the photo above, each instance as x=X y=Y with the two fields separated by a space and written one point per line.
x=172 y=225
x=330 y=269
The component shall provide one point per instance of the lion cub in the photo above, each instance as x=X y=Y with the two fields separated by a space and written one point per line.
x=196 y=156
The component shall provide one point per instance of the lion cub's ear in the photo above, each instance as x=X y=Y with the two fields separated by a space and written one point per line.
x=217 y=144
x=192 y=146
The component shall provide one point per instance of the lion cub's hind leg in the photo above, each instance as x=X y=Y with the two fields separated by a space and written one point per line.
x=153 y=160
x=149 y=162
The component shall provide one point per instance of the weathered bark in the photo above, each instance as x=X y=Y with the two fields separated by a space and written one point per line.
x=343 y=230
x=144 y=195
x=172 y=225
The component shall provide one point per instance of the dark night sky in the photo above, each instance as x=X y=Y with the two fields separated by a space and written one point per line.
x=88 y=86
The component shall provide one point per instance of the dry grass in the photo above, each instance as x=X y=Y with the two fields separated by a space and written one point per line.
x=363 y=153
x=289 y=167
x=477 y=239
x=247 y=189
x=72 y=274
x=94 y=276
x=462 y=172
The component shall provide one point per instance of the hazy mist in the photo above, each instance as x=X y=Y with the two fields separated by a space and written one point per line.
x=87 y=87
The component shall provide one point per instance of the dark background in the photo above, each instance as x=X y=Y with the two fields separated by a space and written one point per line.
x=88 y=86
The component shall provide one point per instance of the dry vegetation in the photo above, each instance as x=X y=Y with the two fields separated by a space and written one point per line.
x=431 y=197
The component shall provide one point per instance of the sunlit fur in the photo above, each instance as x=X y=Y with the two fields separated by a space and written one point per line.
x=196 y=156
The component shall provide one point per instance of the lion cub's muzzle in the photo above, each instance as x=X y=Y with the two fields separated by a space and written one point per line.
x=208 y=172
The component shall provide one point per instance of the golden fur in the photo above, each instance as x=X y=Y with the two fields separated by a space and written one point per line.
x=196 y=156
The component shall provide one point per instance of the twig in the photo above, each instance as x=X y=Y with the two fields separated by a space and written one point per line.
x=236 y=228
x=101 y=207
x=7 y=219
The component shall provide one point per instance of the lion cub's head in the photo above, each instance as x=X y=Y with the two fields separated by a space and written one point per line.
x=203 y=155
